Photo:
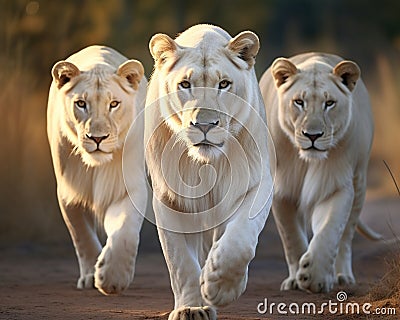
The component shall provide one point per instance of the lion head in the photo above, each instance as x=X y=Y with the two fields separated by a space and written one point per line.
x=315 y=103
x=98 y=107
x=199 y=74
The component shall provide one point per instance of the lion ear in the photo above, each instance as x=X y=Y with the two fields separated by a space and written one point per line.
x=282 y=69
x=160 y=46
x=63 y=72
x=245 y=45
x=133 y=71
x=349 y=72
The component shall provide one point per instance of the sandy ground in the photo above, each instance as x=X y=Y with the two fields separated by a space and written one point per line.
x=38 y=282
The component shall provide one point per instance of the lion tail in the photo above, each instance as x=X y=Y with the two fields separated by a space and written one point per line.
x=367 y=232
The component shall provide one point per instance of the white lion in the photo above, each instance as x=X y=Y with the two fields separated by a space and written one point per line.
x=319 y=114
x=95 y=95
x=206 y=151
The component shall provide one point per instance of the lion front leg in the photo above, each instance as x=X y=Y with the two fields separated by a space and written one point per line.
x=344 y=270
x=184 y=269
x=316 y=271
x=292 y=231
x=224 y=275
x=115 y=265
x=182 y=253
x=80 y=225
x=343 y=267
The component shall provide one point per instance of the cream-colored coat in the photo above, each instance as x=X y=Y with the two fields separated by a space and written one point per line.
x=206 y=150
x=94 y=98
x=319 y=115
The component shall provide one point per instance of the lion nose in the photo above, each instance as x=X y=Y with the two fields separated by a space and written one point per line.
x=313 y=136
x=97 y=139
x=205 y=127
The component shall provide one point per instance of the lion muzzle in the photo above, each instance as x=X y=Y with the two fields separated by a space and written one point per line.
x=97 y=139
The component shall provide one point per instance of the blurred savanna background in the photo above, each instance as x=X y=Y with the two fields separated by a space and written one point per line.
x=36 y=34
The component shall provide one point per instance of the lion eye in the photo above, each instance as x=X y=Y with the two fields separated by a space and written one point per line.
x=114 y=104
x=224 y=84
x=185 y=84
x=298 y=103
x=80 y=104
x=329 y=104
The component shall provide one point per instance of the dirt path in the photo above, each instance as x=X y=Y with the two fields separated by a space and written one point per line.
x=39 y=282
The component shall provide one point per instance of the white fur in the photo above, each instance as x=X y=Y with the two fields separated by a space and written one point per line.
x=211 y=203
x=324 y=190
x=90 y=185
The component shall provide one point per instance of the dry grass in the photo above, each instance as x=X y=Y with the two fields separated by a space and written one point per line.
x=387 y=292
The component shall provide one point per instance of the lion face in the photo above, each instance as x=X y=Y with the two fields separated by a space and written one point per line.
x=315 y=104
x=98 y=107
x=197 y=108
x=204 y=90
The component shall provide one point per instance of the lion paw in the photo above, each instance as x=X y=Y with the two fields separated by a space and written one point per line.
x=114 y=270
x=222 y=280
x=193 y=313
x=345 y=279
x=289 y=283
x=86 y=282
x=315 y=275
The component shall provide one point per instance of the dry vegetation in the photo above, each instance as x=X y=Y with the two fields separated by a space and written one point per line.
x=387 y=292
